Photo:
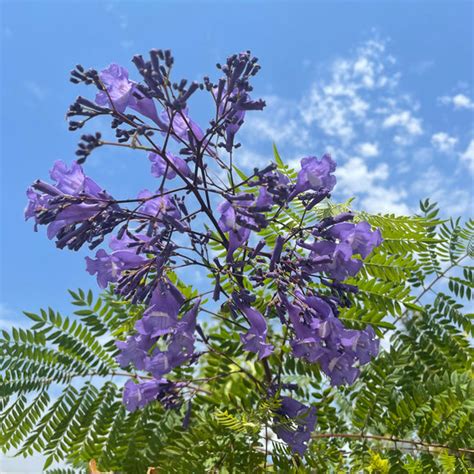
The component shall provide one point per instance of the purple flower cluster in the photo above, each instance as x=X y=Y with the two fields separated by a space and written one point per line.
x=319 y=336
x=139 y=394
x=159 y=325
x=157 y=232
x=295 y=423
x=122 y=93
x=75 y=209
x=255 y=339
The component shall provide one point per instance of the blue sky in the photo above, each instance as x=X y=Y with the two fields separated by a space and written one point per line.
x=386 y=87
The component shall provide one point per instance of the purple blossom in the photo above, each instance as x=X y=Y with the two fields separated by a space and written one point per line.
x=297 y=424
x=180 y=348
x=161 y=316
x=73 y=181
x=307 y=343
x=240 y=214
x=134 y=350
x=69 y=206
x=232 y=95
x=334 y=259
x=233 y=118
x=315 y=174
x=123 y=92
x=238 y=235
x=109 y=267
x=76 y=210
x=277 y=185
x=159 y=166
x=361 y=344
x=255 y=339
x=138 y=395
x=321 y=337
x=339 y=368
x=359 y=236
x=232 y=128
x=181 y=125
x=160 y=206
x=104 y=265
x=36 y=202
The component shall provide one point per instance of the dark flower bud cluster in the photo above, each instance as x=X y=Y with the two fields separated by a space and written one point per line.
x=87 y=144
x=191 y=212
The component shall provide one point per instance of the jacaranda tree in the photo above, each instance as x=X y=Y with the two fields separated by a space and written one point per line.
x=272 y=361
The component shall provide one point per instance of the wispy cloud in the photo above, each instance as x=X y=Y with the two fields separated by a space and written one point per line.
x=280 y=123
x=36 y=90
x=368 y=150
x=356 y=179
x=458 y=101
x=341 y=103
x=467 y=157
x=443 y=189
x=8 y=317
x=443 y=142
x=406 y=124
x=357 y=109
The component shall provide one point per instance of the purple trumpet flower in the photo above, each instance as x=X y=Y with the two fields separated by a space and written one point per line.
x=134 y=350
x=276 y=252
x=75 y=209
x=109 y=267
x=124 y=93
x=232 y=95
x=339 y=367
x=160 y=167
x=70 y=182
x=180 y=348
x=161 y=233
x=361 y=344
x=161 y=316
x=138 y=395
x=159 y=206
x=182 y=126
x=242 y=213
x=359 y=236
x=321 y=337
x=255 y=339
x=315 y=175
x=295 y=424
x=334 y=259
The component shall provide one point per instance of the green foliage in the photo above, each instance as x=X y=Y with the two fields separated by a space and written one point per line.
x=411 y=411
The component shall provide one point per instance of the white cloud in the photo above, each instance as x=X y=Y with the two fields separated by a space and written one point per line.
x=368 y=150
x=351 y=101
x=458 y=101
x=443 y=142
x=5 y=311
x=338 y=105
x=249 y=159
x=406 y=124
x=434 y=184
x=355 y=178
x=467 y=157
x=279 y=123
x=356 y=110
x=382 y=199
